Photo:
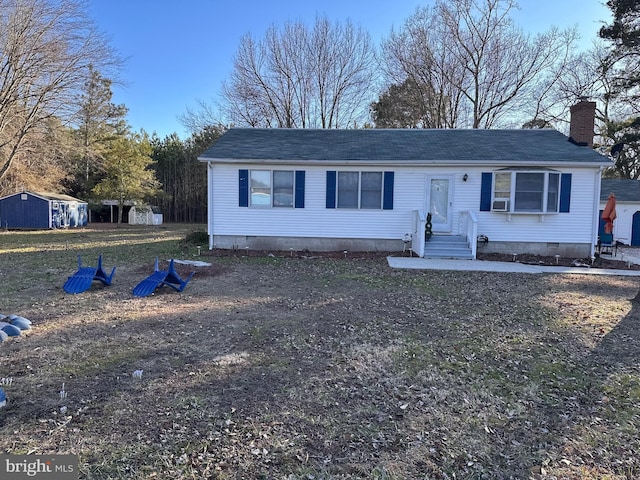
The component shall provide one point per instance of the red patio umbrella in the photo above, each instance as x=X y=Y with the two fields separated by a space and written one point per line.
x=609 y=213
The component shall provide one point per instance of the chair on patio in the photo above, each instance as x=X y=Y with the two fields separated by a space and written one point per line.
x=606 y=245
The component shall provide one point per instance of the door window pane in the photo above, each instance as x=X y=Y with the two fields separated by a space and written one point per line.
x=439 y=200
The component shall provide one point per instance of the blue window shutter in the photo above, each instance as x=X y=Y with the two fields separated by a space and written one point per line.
x=387 y=201
x=243 y=188
x=331 y=188
x=299 y=200
x=485 y=192
x=565 y=192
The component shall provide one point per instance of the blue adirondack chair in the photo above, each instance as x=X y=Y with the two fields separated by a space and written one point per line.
x=81 y=280
x=159 y=278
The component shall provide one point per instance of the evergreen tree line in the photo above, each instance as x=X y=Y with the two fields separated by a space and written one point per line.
x=183 y=177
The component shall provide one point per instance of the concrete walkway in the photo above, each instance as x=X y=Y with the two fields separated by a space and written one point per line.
x=626 y=254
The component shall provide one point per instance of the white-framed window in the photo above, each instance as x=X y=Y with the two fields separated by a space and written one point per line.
x=359 y=190
x=260 y=188
x=283 y=188
x=371 y=190
x=271 y=188
x=526 y=191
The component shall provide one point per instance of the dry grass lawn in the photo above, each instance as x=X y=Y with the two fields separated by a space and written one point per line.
x=306 y=367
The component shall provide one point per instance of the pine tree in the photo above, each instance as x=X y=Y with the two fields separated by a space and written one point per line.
x=98 y=121
x=128 y=177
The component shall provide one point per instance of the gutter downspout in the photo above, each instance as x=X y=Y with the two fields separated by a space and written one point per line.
x=596 y=220
x=210 y=204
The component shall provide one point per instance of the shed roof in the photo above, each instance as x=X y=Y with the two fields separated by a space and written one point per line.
x=49 y=196
x=58 y=196
x=420 y=146
x=625 y=190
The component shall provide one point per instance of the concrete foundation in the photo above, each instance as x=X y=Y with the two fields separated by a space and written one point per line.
x=566 y=250
x=305 y=243
x=237 y=242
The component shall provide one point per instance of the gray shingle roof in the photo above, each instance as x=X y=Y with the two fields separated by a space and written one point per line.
x=391 y=145
x=625 y=190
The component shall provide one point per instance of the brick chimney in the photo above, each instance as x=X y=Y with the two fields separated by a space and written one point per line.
x=583 y=115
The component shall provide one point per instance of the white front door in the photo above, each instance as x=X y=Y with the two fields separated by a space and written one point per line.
x=439 y=202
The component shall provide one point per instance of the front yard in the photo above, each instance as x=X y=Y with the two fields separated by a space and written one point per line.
x=303 y=367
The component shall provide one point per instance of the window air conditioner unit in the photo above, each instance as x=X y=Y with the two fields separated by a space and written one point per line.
x=500 y=206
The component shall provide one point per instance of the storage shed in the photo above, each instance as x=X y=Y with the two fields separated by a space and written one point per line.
x=38 y=210
x=145 y=215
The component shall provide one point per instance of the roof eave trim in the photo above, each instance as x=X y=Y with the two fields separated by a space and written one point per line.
x=409 y=163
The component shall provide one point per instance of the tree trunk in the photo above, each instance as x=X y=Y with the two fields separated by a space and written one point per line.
x=120 y=209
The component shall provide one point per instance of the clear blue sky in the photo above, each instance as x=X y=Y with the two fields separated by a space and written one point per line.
x=180 y=51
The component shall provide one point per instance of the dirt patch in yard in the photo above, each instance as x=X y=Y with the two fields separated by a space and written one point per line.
x=530 y=259
x=322 y=366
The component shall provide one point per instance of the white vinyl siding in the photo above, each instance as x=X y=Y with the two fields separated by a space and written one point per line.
x=573 y=227
x=315 y=220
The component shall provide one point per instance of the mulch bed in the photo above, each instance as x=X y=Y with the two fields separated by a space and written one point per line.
x=599 y=262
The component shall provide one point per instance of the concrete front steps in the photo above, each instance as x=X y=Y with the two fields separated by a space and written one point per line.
x=447 y=246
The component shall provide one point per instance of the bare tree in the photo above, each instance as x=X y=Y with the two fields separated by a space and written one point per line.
x=587 y=74
x=46 y=48
x=44 y=163
x=502 y=62
x=342 y=65
x=301 y=77
x=207 y=114
x=477 y=63
x=417 y=56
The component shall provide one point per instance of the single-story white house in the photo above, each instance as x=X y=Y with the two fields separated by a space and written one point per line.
x=520 y=191
x=626 y=226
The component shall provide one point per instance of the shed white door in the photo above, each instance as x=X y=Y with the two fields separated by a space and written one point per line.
x=439 y=202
